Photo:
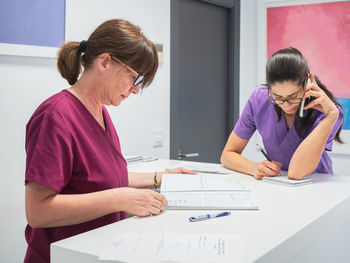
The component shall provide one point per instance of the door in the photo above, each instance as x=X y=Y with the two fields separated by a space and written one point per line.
x=200 y=90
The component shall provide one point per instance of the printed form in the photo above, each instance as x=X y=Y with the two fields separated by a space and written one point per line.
x=174 y=247
x=198 y=182
x=202 y=191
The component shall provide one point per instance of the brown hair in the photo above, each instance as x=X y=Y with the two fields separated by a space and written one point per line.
x=117 y=37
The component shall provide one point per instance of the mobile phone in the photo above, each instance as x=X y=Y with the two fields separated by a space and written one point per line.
x=304 y=102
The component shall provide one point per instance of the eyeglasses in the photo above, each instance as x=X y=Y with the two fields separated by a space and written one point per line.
x=139 y=79
x=271 y=99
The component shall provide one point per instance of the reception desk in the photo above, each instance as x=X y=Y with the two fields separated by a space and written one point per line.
x=309 y=223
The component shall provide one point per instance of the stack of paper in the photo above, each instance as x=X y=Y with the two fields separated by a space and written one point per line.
x=210 y=168
x=133 y=158
x=285 y=180
x=201 y=191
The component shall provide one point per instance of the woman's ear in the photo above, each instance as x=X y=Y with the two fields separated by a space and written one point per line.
x=102 y=62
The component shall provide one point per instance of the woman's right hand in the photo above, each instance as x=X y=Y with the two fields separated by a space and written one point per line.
x=267 y=168
x=142 y=202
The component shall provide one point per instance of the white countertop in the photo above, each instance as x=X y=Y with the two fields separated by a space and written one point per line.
x=292 y=223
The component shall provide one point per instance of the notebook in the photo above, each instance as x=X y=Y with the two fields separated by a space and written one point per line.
x=202 y=191
x=198 y=182
x=285 y=180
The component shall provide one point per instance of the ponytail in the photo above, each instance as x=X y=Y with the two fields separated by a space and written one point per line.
x=69 y=61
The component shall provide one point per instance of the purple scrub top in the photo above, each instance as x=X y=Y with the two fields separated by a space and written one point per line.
x=69 y=152
x=279 y=142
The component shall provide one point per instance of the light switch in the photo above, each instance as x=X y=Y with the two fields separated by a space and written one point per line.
x=157 y=138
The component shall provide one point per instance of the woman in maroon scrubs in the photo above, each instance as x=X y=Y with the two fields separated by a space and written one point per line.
x=76 y=177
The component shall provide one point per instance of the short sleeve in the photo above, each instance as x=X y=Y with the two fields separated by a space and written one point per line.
x=49 y=152
x=245 y=126
x=336 y=127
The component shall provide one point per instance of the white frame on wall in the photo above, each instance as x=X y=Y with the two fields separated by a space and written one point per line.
x=262 y=54
x=12 y=49
x=27 y=50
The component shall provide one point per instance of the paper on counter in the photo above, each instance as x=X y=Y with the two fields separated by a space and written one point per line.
x=198 y=182
x=212 y=168
x=175 y=247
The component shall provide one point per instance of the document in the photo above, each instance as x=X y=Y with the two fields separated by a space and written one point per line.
x=173 y=247
x=198 y=182
x=213 y=200
x=133 y=158
x=285 y=180
x=130 y=159
x=201 y=191
x=210 y=168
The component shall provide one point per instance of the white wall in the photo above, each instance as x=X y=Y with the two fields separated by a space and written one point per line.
x=248 y=66
x=26 y=81
x=136 y=118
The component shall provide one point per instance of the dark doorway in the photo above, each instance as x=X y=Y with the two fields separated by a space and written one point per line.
x=204 y=77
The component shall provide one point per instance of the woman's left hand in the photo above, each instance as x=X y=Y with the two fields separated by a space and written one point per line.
x=321 y=101
x=178 y=170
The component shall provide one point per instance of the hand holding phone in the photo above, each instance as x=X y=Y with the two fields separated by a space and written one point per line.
x=304 y=102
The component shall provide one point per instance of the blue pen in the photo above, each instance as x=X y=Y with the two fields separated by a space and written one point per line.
x=207 y=216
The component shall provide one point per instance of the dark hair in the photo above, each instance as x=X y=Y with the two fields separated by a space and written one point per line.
x=289 y=65
x=118 y=37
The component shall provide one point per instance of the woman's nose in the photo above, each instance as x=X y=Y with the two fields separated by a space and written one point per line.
x=135 y=89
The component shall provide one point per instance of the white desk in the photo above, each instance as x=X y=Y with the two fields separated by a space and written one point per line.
x=309 y=223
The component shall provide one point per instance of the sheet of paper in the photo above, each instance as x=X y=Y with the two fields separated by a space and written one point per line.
x=198 y=182
x=175 y=247
x=203 y=168
x=241 y=200
x=133 y=158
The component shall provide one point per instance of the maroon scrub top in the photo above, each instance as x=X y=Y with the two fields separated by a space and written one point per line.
x=280 y=143
x=69 y=152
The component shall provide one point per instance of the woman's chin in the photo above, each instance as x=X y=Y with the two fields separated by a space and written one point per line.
x=117 y=101
x=290 y=112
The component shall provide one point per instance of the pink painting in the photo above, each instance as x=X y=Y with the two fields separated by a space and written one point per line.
x=322 y=33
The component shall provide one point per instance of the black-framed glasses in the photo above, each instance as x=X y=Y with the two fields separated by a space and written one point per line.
x=139 y=79
x=272 y=100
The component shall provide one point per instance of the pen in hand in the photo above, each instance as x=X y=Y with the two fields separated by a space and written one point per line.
x=263 y=152
x=259 y=148
x=207 y=216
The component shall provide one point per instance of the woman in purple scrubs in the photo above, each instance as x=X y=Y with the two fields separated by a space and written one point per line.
x=76 y=177
x=294 y=143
